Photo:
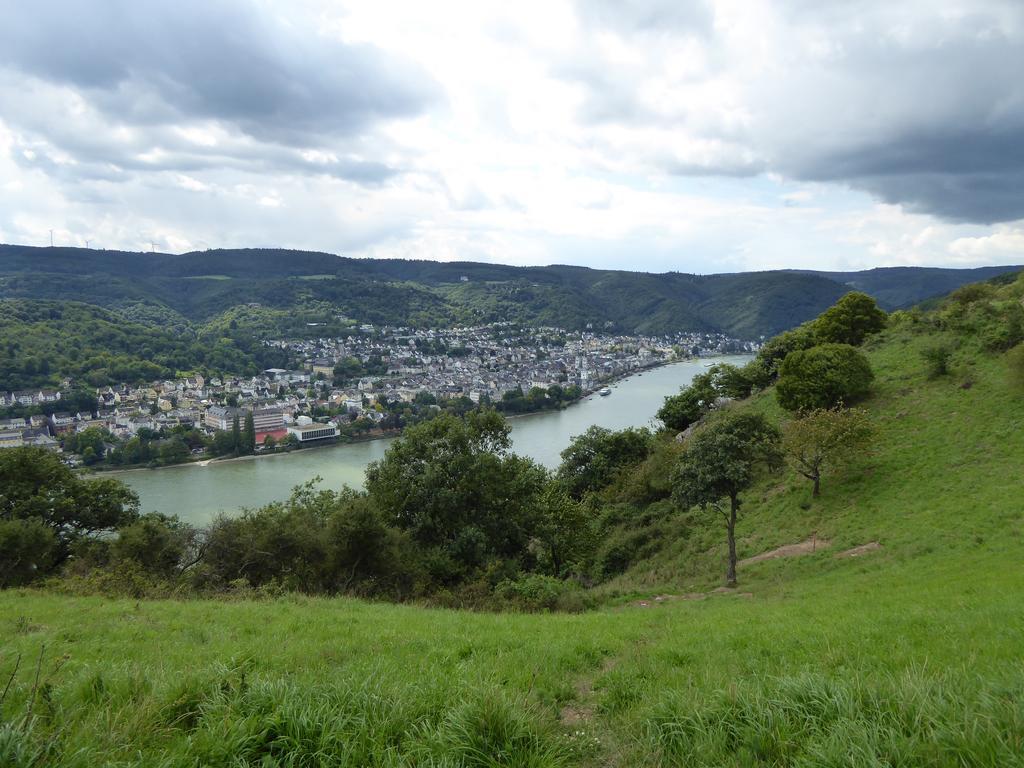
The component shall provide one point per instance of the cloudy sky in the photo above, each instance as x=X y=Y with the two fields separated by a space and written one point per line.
x=637 y=134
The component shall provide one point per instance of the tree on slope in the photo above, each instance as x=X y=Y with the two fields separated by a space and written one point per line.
x=721 y=461
x=594 y=458
x=691 y=404
x=563 y=527
x=824 y=376
x=38 y=489
x=850 y=320
x=823 y=438
x=455 y=486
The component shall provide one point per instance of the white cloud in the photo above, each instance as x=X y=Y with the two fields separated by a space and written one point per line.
x=1005 y=242
x=744 y=134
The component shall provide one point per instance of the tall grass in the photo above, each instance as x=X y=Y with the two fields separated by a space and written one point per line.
x=949 y=719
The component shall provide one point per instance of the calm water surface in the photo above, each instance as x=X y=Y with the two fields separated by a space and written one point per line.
x=197 y=494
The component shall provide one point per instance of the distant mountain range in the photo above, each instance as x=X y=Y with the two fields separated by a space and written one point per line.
x=199 y=286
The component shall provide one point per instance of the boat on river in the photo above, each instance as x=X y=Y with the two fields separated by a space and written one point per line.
x=604 y=392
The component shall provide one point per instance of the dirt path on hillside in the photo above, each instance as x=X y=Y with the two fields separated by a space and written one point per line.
x=863 y=549
x=812 y=544
x=807 y=547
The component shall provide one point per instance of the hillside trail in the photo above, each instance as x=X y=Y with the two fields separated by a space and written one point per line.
x=810 y=546
x=599 y=739
x=591 y=731
x=590 y=734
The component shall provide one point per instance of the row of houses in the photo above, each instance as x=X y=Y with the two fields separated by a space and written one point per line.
x=29 y=397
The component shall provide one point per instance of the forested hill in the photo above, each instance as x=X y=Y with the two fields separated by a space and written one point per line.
x=201 y=285
x=900 y=287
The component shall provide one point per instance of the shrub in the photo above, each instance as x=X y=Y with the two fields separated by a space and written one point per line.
x=937 y=357
x=1005 y=330
x=649 y=481
x=27 y=549
x=776 y=349
x=535 y=592
x=823 y=377
x=622 y=548
x=155 y=542
x=970 y=294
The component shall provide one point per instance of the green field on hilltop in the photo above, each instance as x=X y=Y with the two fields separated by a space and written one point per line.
x=906 y=653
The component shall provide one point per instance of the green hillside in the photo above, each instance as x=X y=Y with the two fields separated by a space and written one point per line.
x=905 y=652
x=42 y=342
x=201 y=285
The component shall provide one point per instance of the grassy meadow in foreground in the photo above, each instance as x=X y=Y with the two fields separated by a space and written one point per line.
x=897 y=663
x=907 y=655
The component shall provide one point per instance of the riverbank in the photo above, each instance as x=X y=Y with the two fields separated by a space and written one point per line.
x=373 y=435
x=226 y=486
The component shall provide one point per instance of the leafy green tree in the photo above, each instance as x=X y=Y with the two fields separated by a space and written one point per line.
x=453 y=484
x=592 y=460
x=347 y=370
x=27 y=550
x=850 y=320
x=92 y=437
x=173 y=451
x=36 y=485
x=223 y=443
x=731 y=381
x=236 y=435
x=249 y=435
x=366 y=553
x=425 y=398
x=563 y=529
x=765 y=367
x=692 y=403
x=720 y=462
x=823 y=438
x=156 y=542
x=824 y=376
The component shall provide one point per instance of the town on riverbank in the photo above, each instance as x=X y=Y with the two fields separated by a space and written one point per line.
x=360 y=386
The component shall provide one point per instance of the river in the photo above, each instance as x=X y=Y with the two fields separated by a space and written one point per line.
x=198 y=493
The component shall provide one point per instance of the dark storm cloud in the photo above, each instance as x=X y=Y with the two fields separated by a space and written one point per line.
x=918 y=103
x=972 y=174
x=157 y=62
x=937 y=126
